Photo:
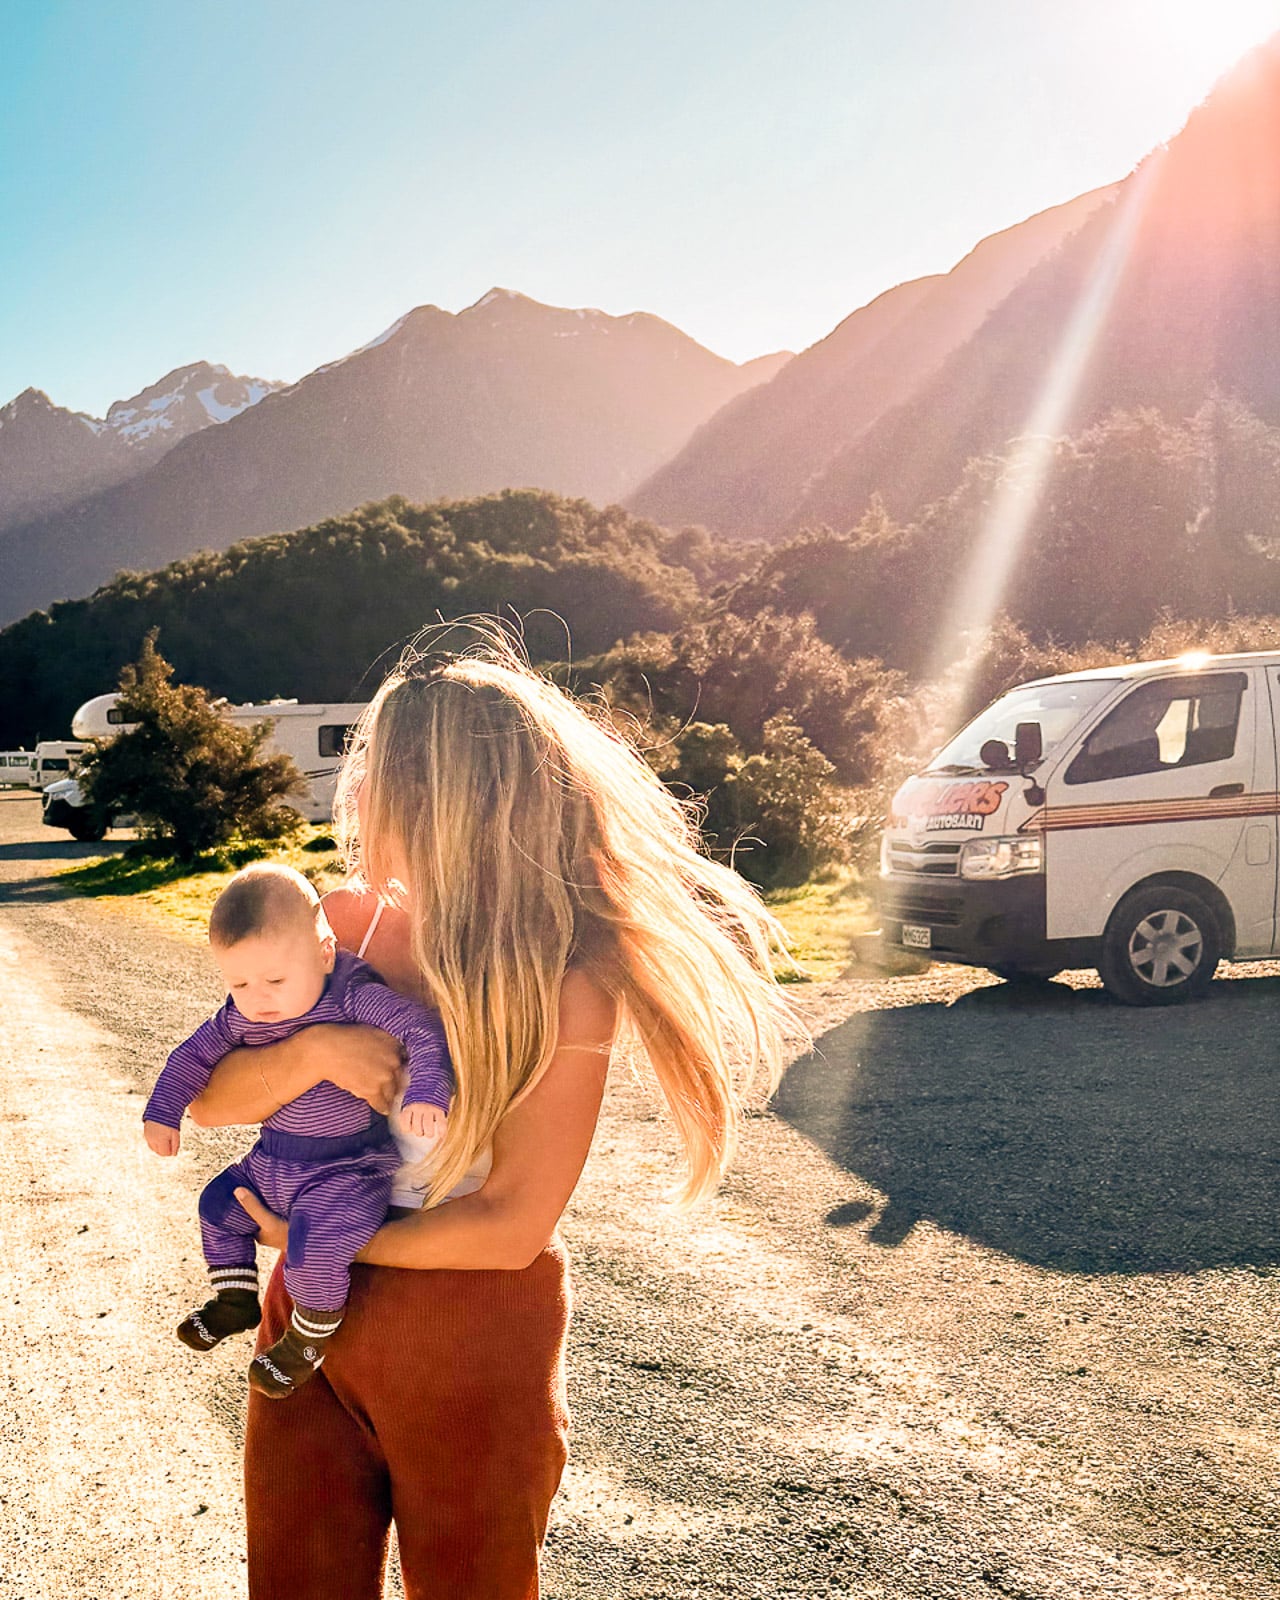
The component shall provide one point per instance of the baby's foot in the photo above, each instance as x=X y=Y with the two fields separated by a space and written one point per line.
x=231 y=1311
x=295 y=1359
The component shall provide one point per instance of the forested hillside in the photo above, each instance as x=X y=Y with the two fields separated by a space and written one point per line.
x=316 y=614
x=506 y=394
x=1136 y=517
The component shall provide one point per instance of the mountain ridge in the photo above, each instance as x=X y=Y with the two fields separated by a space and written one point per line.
x=744 y=471
x=440 y=405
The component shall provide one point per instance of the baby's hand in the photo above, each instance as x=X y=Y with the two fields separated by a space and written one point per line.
x=164 y=1141
x=424 y=1121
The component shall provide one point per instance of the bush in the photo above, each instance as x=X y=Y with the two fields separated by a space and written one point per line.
x=192 y=778
x=774 y=814
x=745 y=671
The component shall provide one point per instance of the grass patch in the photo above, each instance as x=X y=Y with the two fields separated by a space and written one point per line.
x=822 y=918
x=179 y=895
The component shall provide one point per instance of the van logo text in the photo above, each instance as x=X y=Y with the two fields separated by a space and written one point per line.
x=922 y=807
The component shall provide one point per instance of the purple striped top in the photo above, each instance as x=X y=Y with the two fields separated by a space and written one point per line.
x=353 y=993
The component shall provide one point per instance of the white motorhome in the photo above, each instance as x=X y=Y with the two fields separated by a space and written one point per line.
x=313 y=735
x=1123 y=819
x=53 y=759
x=17 y=769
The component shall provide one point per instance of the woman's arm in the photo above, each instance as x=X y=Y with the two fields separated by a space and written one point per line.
x=249 y=1084
x=538 y=1154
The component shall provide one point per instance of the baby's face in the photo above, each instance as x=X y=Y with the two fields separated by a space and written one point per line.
x=273 y=977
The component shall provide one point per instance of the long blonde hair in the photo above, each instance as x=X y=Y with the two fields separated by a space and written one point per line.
x=535 y=837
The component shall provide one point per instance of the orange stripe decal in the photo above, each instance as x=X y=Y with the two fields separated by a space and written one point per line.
x=1133 y=814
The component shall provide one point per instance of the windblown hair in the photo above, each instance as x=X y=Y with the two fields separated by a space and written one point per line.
x=536 y=838
x=263 y=898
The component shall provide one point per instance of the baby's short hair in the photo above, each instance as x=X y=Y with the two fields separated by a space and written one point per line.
x=261 y=899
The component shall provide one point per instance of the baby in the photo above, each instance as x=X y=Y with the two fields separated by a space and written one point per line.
x=325 y=1160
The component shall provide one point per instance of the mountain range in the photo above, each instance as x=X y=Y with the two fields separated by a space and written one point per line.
x=747 y=470
x=508 y=392
x=1159 y=292
x=50 y=456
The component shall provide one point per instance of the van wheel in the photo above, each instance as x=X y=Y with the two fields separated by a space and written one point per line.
x=86 y=827
x=1028 y=976
x=1162 y=945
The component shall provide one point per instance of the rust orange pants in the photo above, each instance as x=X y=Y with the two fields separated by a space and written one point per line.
x=441 y=1405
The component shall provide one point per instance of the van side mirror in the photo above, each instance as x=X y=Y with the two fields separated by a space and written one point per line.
x=1028 y=745
x=1028 y=748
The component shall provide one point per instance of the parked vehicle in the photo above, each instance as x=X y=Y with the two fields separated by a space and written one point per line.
x=1123 y=819
x=17 y=769
x=54 y=759
x=314 y=735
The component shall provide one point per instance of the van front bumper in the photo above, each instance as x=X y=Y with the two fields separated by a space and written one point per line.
x=1000 y=923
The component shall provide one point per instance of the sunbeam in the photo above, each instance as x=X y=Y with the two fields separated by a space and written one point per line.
x=986 y=577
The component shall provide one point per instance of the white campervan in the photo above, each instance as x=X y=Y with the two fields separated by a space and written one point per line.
x=17 y=769
x=53 y=759
x=1123 y=819
x=314 y=735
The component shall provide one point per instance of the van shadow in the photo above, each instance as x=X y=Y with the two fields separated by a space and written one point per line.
x=1064 y=1129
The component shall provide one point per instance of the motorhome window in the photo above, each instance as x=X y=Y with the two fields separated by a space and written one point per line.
x=114 y=716
x=54 y=764
x=1163 y=726
x=1056 y=706
x=333 y=738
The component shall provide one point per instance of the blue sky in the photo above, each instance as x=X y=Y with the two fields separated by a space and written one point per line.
x=269 y=184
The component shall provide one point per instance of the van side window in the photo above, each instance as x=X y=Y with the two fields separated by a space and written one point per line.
x=333 y=738
x=1174 y=722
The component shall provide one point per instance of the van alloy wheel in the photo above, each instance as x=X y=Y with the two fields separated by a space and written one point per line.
x=1161 y=945
x=1165 y=948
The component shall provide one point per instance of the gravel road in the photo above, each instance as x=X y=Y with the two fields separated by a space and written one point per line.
x=989 y=1306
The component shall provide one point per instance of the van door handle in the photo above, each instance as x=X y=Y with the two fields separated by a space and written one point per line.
x=1226 y=788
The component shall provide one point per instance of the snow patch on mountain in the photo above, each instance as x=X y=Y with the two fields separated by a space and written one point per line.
x=253 y=390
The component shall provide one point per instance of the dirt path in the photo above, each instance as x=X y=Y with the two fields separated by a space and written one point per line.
x=988 y=1308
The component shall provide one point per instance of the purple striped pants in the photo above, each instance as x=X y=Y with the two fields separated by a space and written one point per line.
x=334 y=1202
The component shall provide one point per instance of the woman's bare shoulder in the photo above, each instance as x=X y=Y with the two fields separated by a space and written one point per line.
x=350 y=911
x=588 y=1010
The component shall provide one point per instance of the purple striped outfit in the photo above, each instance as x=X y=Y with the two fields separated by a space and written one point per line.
x=326 y=1160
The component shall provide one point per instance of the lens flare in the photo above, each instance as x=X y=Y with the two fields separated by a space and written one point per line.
x=1030 y=458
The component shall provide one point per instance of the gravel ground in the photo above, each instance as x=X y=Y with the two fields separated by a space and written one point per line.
x=988 y=1306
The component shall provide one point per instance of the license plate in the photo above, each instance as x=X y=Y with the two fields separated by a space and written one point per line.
x=916 y=938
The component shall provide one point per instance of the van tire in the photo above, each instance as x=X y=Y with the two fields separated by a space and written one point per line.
x=86 y=827
x=1162 y=946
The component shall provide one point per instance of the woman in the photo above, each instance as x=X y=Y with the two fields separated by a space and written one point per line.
x=546 y=892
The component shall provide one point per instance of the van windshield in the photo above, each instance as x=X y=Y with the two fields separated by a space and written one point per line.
x=1057 y=707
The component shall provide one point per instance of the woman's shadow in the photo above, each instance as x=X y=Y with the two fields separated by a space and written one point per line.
x=1061 y=1128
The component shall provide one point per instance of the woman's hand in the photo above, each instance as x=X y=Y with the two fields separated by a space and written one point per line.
x=273 y=1231
x=250 y=1084
x=364 y=1061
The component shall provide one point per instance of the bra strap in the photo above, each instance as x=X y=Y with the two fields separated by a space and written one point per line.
x=370 y=930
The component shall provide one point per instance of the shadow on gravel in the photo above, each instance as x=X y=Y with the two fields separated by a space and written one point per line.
x=1062 y=1129
x=56 y=849
x=41 y=889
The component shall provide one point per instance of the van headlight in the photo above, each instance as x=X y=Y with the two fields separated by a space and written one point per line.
x=1002 y=858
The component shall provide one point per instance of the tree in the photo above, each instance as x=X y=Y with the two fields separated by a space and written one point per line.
x=190 y=776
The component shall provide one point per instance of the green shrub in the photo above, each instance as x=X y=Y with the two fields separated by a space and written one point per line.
x=191 y=777
x=774 y=814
